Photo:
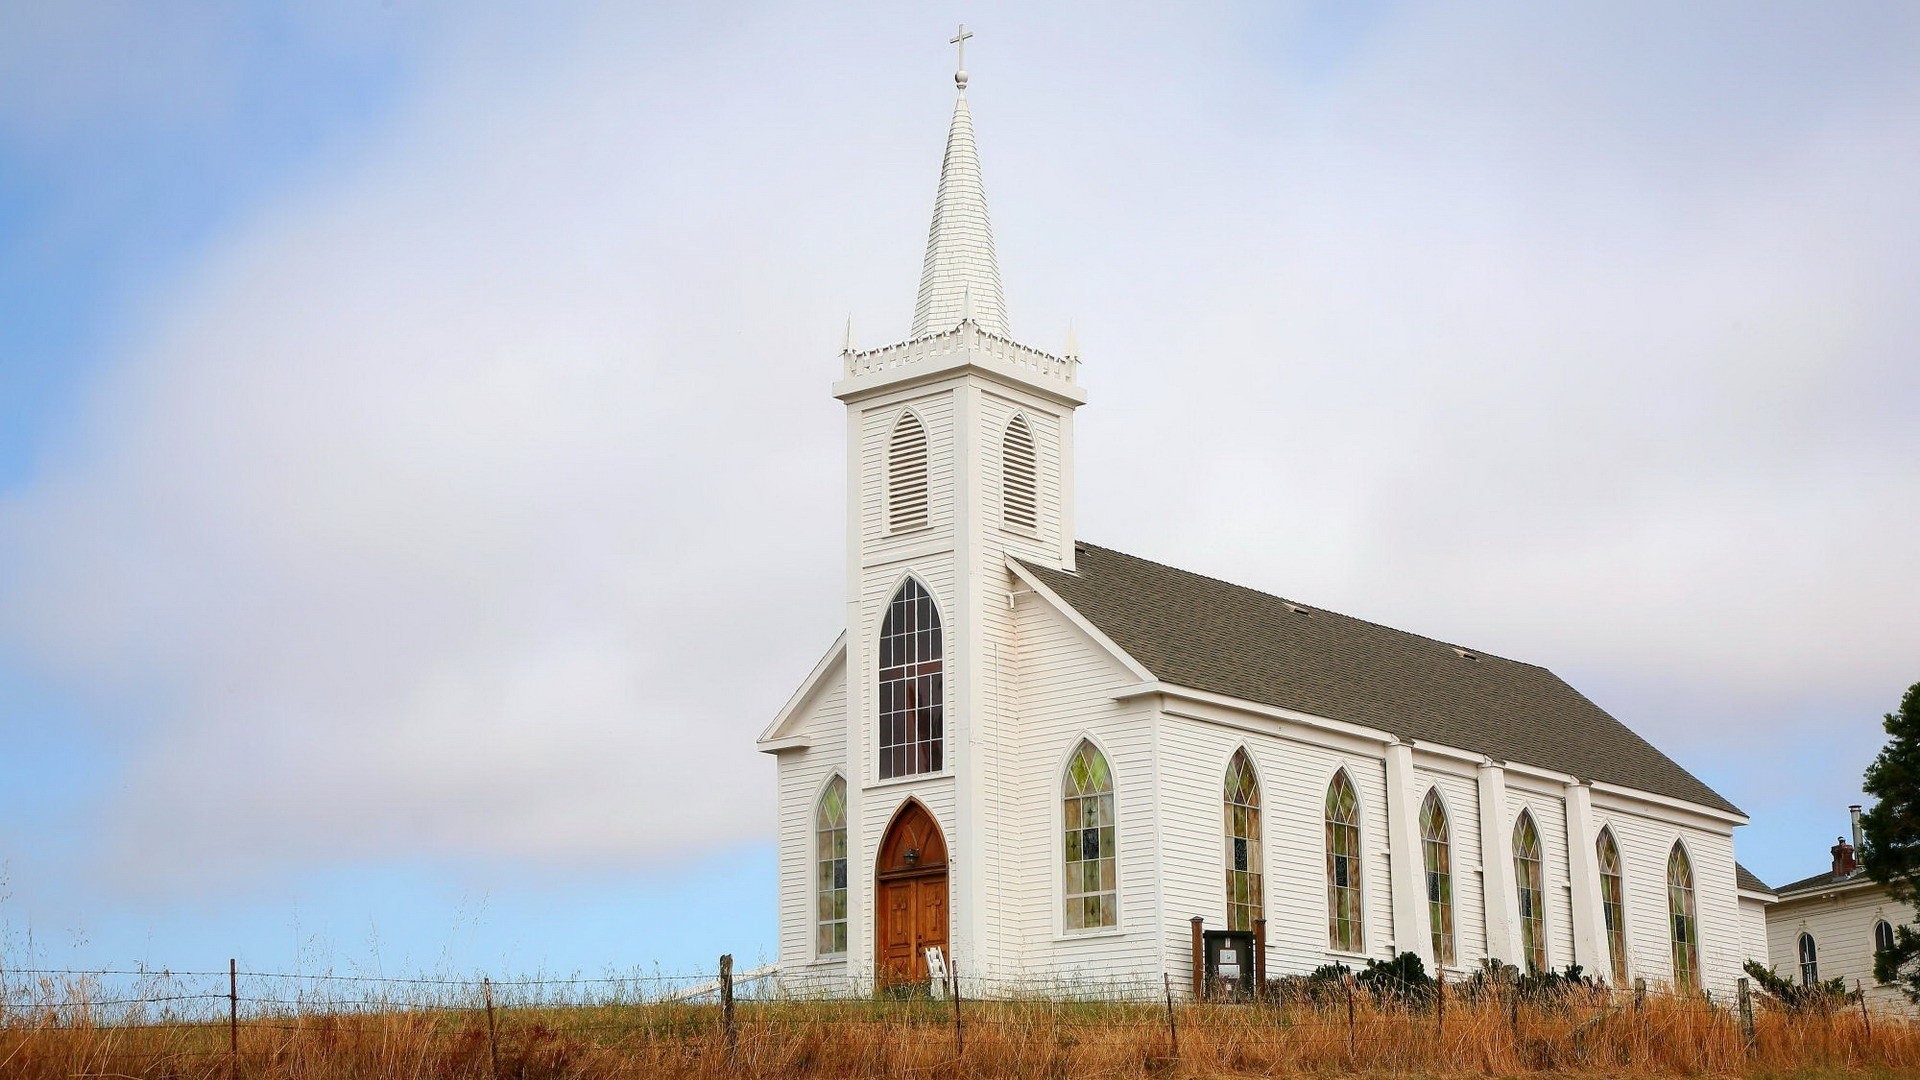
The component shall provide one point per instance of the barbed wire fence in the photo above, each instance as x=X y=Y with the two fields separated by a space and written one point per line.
x=739 y=1018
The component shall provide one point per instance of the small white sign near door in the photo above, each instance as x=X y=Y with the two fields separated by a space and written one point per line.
x=937 y=971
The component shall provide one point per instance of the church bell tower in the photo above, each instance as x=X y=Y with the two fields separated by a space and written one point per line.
x=959 y=457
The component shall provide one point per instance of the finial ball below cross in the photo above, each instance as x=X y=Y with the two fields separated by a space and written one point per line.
x=959 y=40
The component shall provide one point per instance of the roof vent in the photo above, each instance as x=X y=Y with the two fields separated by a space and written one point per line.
x=1296 y=608
x=1465 y=655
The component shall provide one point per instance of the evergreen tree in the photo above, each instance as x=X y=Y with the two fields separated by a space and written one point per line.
x=1891 y=851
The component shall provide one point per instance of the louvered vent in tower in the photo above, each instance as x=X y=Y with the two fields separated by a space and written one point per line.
x=1019 y=501
x=907 y=475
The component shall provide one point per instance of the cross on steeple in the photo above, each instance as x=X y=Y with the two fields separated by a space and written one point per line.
x=959 y=41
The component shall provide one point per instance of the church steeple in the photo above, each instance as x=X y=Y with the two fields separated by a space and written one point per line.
x=961 y=277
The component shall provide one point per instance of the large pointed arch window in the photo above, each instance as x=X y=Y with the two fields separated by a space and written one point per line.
x=1019 y=487
x=830 y=860
x=1244 y=882
x=907 y=474
x=1345 y=927
x=1686 y=926
x=1613 y=904
x=1530 y=889
x=1809 y=960
x=1436 y=850
x=1091 y=873
x=911 y=689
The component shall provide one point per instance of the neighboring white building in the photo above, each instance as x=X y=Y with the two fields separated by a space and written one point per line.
x=1045 y=756
x=1830 y=925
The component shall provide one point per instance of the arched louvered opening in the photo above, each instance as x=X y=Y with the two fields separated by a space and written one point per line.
x=1809 y=960
x=1019 y=470
x=1613 y=904
x=907 y=475
x=1686 y=925
x=912 y=691
x=1529 y=888
x=1091 y=871
x=1345 y=927
x=1245 y=890
x=1436 y=849
x=830 y=857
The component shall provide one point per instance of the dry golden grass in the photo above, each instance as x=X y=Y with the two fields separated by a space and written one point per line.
x=1589 y=1035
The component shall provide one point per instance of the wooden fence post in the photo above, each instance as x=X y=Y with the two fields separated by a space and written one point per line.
x=1744 y=994
x=1639 y=994
x=1865 y=1016
x=493 y=1030
x=1440 y=1003
x=233 y=1018
x=1259 y=959
x=1353 y=1049
x=1173 y=1033
x=959 y=1033
x=726 y=1005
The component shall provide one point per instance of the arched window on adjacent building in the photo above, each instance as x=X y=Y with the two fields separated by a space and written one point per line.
x=1436 y=848
x=1530 y=889
x=911 y=690
x=1019 y=490
x=1345 y=928
x=1086 y=814
x=1244 y=883
x=907 y=475
x=1882 y=937
x=1809 y=960
x=1613 y=904
x=1686 y=925
x=830 y=859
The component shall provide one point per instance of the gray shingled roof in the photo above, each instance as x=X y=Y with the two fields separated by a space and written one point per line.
x=1203 y=633
x=1748 y=880
x=1825 y=878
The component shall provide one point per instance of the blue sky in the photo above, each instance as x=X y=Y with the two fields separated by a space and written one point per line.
x=412 y=415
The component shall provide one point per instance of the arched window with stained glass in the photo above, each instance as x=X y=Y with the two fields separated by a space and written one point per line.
x=830 y=861
x=1345 y=921
x=1685 y=923
x=1529 y=887
x=1613 y=904
x=1244 y=881
x=912 y=727
x=1436 y=849
x=1091 y=868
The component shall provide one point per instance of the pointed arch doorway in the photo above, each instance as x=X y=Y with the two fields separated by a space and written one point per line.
x=910 y=880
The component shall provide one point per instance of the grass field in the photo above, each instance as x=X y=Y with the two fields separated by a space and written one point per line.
x=452 y=1036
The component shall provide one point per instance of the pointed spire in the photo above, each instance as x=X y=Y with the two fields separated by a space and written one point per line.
x=960 y=269
x=846 y=343
x=1073 y=343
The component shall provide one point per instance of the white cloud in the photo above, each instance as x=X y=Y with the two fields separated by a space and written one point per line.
x=483 y=496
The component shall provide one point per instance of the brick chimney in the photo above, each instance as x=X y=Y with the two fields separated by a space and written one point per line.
x=1843 y=862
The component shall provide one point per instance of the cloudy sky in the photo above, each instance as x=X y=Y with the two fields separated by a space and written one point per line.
x=418 y=482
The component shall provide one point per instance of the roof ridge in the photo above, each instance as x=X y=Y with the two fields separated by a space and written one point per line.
x=1481 y=653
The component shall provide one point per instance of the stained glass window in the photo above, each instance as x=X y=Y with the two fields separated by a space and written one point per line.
x=1809 y=961
x=911 y=690
x=830 y=859
x=1686 y=943
x=1436 y=848
x=1086 y=806
x=1344 y=923
x=1613 y=904
x=1529 y=887
x=1244 y=890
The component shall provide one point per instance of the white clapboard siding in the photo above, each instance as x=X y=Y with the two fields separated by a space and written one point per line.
x=802 y=775
x=1842 y=928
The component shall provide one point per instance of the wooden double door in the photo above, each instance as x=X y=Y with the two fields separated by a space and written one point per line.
x=911 y=885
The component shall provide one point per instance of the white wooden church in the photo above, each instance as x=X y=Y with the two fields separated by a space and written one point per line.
x=1046 y=757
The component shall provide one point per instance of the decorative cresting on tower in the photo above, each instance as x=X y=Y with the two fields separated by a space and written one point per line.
x=937 y=504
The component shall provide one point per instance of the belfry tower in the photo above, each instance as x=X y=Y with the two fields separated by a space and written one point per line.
x=959 y=455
